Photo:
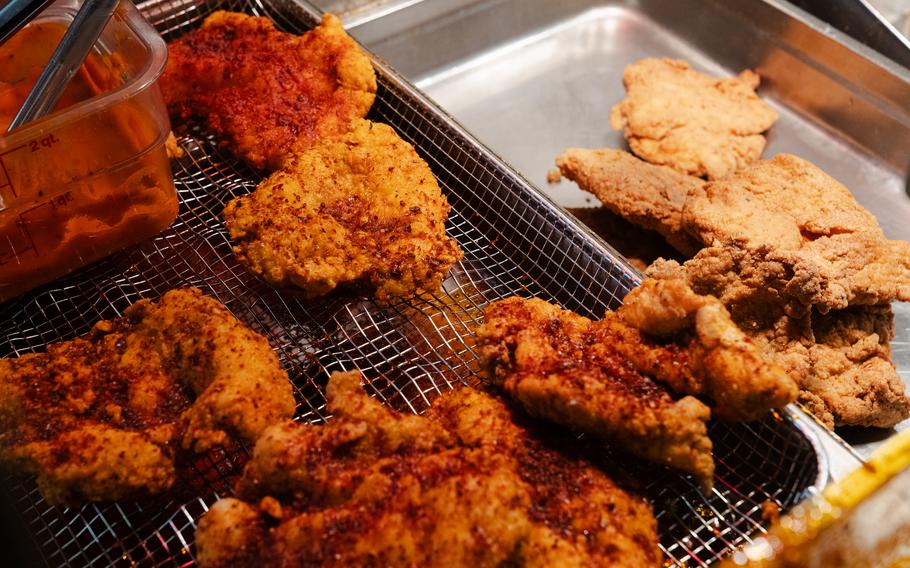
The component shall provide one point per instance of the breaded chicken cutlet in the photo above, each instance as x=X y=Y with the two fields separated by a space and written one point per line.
x=359 y=208
x=615 y=378
x=818 y=246
x=675 y=116
x=463 y=485
x=102 y=417
x=791 y=227
x=266 y=93
x=650 y=196
x=841 y=359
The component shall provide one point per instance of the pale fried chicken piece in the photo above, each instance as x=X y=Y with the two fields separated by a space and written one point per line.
x=101 y=417
x=805 y=234
x=465 y=485
x=649 y=196
x=841 y=359
x=266 y=93
x=696 y=124
x=359 y=208
x=605 y=377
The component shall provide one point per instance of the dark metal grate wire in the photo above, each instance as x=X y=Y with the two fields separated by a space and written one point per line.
x=514 y=241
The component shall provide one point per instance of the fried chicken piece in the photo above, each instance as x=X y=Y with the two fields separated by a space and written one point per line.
x=101 y=417
x=561 y=367
x=268 y=94
x=804 y=233
x=360 y=208
x=696 y=124
x=853 y=346
x=607 y=377
x=464 y=485
x=841 y=360
x=649 y=196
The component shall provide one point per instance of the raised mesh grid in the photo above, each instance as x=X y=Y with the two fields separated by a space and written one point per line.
x=514 y=241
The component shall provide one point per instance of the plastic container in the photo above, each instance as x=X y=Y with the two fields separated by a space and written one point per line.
x=93 y=176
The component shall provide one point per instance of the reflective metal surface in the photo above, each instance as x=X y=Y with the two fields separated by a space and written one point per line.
x=515 y=241
x=532 y=77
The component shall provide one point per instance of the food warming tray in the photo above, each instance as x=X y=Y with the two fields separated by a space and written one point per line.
x=530 y=78
x=515 y=241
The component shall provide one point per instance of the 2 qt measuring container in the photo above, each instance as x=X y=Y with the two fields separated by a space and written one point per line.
x=93 y=176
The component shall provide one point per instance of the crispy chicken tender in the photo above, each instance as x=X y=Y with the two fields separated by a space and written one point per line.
x=360 y=208
x=608 y=377
x=649 y=196
x=803 y=225
x=696 y=124
x=266 y=93
x=841 y=360
x=465 y=485
x=101 y=417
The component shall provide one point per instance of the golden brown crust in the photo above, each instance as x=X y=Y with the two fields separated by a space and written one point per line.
x=841 y=360
x=562 y=367
x=814 y=243
x=692 y=122
x=649 y=196
x=100 y=417
x=268 y=94
x=359 y=208
x=464 y=485
x=607 y=377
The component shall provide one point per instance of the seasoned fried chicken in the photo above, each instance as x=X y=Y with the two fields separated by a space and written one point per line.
x=694 y=123
x=360 y=208
x=464 y=485
x=102 y=416
x=266 y=93
x=613 y=378
x=649 y=196
x=817 y=246
x=785 y=243
x=841 y=360
x=560 y=366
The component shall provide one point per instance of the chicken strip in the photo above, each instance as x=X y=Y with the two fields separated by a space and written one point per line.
x=102 y=416
x=675 y=116
x=801 y=224
x=465 y=485
x=267 y=94
x=649 y=196
x=607 y=377
x=841 y=360
x=360 y=208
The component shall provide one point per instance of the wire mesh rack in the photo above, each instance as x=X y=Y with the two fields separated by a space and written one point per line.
x=515 y=242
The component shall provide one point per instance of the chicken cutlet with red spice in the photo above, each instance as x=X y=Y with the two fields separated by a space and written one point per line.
x=361 y=209
x=619 y=378
x=466 y=484
x=268 y=94
x=103 y=416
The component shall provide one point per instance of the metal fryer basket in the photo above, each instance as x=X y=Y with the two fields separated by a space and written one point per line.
x=515 y=242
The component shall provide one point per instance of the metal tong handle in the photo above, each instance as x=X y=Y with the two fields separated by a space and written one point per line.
x=78 y=40
x=16 y=13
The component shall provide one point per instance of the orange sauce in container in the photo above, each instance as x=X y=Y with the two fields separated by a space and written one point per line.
x=76 y=190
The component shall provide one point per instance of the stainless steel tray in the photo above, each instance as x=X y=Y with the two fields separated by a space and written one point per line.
x=531 y=77
x=515 y=242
